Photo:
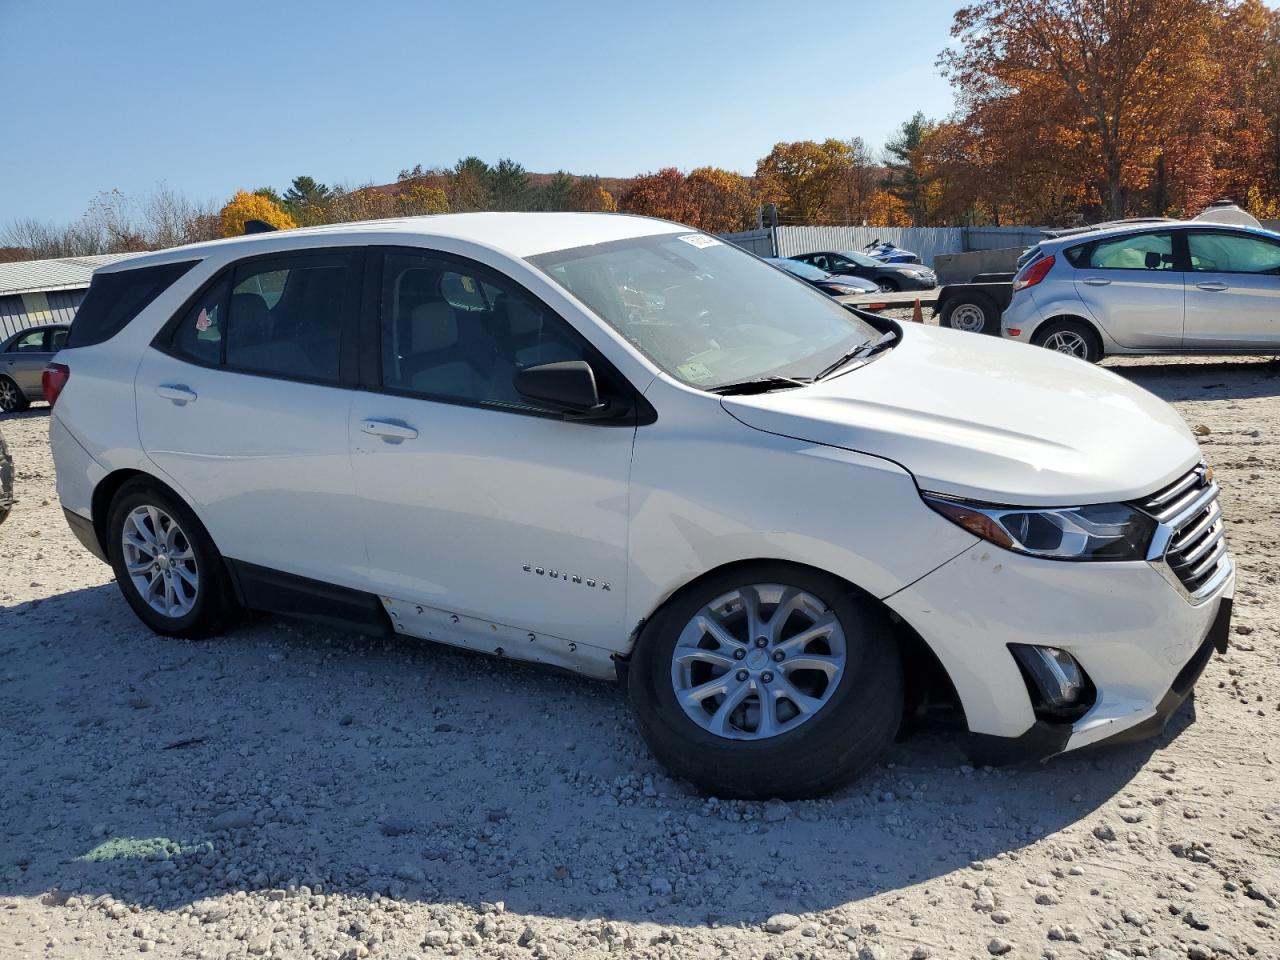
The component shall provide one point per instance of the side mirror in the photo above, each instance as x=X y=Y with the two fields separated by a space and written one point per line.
x=569 y=385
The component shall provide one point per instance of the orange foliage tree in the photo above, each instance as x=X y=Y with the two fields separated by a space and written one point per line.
x=251 y=206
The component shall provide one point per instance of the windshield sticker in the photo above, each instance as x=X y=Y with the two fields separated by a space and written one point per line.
x=694 y=372
x=699 y=240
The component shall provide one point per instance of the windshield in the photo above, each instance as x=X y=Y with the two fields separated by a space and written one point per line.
x=705 y=311
x=798 y=268
x=861 y=259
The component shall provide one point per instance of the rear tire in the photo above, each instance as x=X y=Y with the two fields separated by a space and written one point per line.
x=972 y=315
x=12 y=399
x=1072 y=337
x=843 y=715
x=166 y=564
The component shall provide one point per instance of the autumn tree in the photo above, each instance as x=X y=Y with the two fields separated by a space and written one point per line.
x=718 y=201
x=658 y=194
x=416 y=199
x=827 y=182
x=1112 y=80
x=905 y=178
x=362 y=203
x=246 y=206
x=470 y=185
x=589 y=196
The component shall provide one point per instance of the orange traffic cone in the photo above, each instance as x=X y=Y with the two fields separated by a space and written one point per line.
x=917 y=315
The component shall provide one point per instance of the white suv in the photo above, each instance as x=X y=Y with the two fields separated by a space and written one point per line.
x=622 y=447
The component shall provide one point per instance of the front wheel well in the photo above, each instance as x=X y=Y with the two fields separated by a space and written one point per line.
x=927 y=682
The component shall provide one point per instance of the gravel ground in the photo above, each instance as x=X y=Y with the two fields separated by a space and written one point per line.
x=289 y=791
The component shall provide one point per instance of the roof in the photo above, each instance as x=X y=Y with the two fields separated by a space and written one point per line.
x=1120 y=229
x=516 y=234
x=66 y=273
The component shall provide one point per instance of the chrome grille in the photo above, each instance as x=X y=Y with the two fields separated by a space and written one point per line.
x=1191 y=538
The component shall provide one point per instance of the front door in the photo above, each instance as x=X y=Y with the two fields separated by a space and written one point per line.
x=1131 y=287
x=489 y=520
x=1232 y=291
x=242 y=404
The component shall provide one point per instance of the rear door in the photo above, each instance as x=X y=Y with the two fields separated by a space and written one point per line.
x=1232 y=291
x=25 y=360
x=243 y=401
x=1133 y=289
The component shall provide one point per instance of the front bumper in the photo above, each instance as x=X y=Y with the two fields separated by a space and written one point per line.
x=1142 y=643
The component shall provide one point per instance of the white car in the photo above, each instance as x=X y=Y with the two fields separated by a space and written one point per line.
x=626 y=448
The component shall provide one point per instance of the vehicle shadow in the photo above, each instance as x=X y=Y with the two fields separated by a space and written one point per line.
x=1198 y=379
x=38 y=412
x=162 y=772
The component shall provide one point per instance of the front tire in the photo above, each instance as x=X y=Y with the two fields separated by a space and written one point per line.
x=1072 y=337
x=166 y=565
x=887 y=285
x=767 y=680
x=12 y=399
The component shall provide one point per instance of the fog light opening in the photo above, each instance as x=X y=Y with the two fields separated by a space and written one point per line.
x=1059 y=688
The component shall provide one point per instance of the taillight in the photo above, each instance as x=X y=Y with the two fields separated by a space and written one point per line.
x=1032 y=274
x=53 y=379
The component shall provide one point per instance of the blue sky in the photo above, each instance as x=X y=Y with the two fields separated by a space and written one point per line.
x=212 y=97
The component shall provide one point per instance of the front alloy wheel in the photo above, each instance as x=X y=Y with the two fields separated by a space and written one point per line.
x=758 y=661
x=11 y=398
x=767 y=680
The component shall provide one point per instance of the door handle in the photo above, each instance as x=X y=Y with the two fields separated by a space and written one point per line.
x=177 y=392
x=1213 y=286
x=1096 y=281
x=389 y=430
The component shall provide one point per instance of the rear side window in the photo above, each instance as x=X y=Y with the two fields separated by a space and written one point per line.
x=114 y=299
x=199 y=336
x=1143 y=251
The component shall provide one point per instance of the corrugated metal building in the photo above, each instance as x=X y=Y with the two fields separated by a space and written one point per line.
x=33 y=292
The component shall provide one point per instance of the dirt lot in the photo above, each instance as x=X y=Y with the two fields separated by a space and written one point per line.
x=293 y=792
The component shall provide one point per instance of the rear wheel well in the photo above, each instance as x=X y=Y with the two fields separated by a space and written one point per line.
x=105 y=492
x=1069 y=318
x=927 y=683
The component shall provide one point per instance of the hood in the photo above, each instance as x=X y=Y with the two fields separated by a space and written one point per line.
x=988 y=419
x=849 y=280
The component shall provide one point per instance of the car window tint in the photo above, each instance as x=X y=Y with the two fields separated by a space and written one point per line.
x=115 y=298
x=1144 y=251
x=33 y=342
x=57 y=339
x=1233 y=253
x=285 y=319
x=199 y=336
x=448 y=333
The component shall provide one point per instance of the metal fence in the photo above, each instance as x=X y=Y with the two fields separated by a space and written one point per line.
x=15 y=316
x=759 y=242
x=929 y=242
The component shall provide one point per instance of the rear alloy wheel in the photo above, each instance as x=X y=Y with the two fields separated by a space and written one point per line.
x=767 y=681
x=12 y=399
x=971 y=316
x=1070 y=337
x=165 y=564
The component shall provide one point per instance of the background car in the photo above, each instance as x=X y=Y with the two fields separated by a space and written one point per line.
x=6 y=480
x=1173 y=287
x=888 y=277
x=23 y=358
x=826 y=282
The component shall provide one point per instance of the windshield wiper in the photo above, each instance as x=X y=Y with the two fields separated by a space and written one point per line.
x=863 y=350
x=759 y=385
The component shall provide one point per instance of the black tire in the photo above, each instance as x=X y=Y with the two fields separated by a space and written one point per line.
x=974 y=314
x=837 y=744
x=1091 y=344
x=215 y=607
x=12 y=399
x=889 y=285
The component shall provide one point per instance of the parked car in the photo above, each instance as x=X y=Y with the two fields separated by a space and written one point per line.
x=888 y=277
x=627 y=448
x=23 y=357
x=826 y=282
x=6 y=480
x=1172 y=287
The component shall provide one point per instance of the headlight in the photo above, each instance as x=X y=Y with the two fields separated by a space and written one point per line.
x=1102 y=531
x=845 y=291
x=913 y=273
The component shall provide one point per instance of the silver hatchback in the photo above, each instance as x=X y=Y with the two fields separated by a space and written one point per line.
x=23 y=357
x=1167 y=288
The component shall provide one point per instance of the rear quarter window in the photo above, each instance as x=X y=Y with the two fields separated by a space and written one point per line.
x=115 y=298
